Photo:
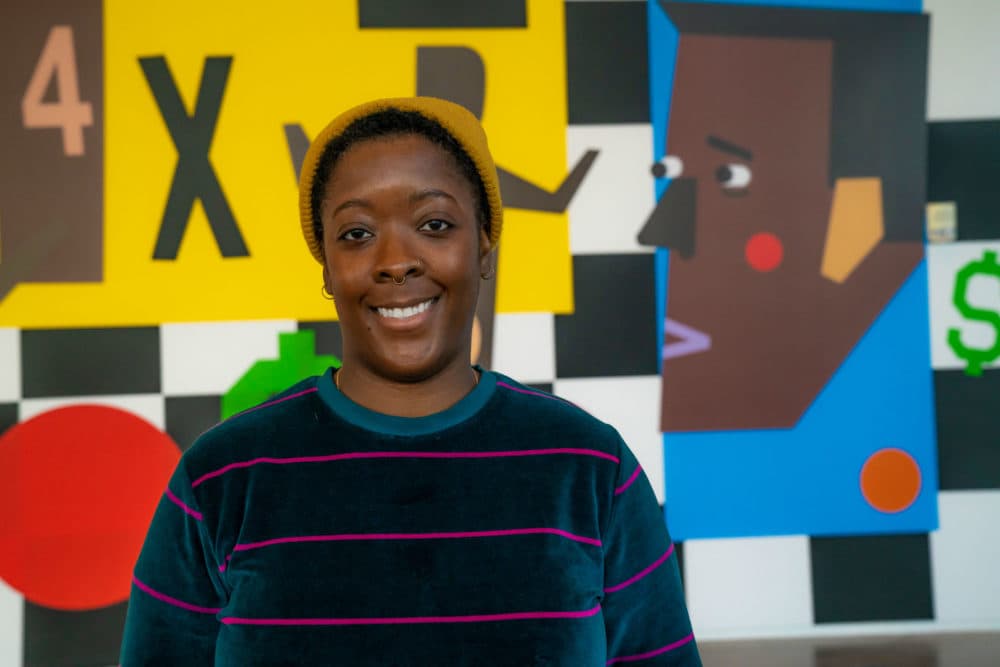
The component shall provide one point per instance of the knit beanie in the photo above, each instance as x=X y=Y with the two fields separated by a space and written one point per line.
x=456 y=120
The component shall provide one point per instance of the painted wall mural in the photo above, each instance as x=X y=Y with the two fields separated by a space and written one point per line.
x=796 y=157
x=715 y=240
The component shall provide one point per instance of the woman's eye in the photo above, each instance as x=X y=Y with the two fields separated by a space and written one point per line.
x=435 y=225
x=356 y=234
x=733 y=175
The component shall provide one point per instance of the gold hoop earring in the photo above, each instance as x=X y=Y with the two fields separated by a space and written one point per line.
x=486 y=275
x=326 y=295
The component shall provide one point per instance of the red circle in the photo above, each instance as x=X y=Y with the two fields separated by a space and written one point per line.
x=764 y=252
x=78 y=487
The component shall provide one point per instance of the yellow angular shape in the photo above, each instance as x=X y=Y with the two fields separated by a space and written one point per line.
x=856 y=226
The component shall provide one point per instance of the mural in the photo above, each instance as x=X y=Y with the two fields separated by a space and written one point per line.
x=794 y=217
x=762 y=319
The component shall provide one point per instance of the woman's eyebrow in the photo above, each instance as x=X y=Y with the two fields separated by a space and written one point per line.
x=429 y=194
x=352 y=203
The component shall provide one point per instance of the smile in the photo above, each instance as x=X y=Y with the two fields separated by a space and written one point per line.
x=404 y=313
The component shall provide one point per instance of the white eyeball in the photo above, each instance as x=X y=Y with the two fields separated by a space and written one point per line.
x=671 y=166
x=733 y=175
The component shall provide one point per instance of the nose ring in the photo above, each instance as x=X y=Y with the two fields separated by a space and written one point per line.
x=399 y=282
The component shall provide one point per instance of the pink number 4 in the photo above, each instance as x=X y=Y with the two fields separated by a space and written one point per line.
x=58 y=60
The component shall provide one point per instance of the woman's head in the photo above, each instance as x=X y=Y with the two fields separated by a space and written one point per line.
x=402 y=209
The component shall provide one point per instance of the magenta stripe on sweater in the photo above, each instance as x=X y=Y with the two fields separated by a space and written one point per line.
x=180 y=503
x=353 y=537
x=476 y=618
x=401 y=455
x=642 y=656
x=172 y=601
x=628 y=582
x=276 y=401
x=631 y=479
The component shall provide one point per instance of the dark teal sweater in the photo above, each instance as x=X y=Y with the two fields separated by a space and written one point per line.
x=511 y=529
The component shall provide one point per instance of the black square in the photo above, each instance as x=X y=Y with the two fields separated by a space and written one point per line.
x=612 y=331
x=963 y=167
x=87 y=362
x=967 y=424
x=329 y=339
x=874 y=578
x=56 y=638
x=442 y=14
x=187 y=417
x=607 y=64
x=8 y=416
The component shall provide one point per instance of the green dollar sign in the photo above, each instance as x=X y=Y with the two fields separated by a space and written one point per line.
x=975 y=358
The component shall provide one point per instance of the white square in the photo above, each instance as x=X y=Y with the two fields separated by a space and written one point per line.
x=618 y=193
x=744 y=586
x=148 y=406
x=10 y=365
x=11 y=625
x=965 y=553
x=524 y=346
x=207 y=358
x=963 y=55
x=632 y=405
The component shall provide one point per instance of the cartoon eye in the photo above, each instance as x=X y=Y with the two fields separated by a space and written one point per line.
x=733 y=175
x=670 y=166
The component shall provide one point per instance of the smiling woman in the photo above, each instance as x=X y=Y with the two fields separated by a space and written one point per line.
x=409 y=508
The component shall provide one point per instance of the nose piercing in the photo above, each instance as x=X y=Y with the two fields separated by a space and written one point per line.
x=398 y=282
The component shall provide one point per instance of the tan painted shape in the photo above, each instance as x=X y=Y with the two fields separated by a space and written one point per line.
x=856 y=226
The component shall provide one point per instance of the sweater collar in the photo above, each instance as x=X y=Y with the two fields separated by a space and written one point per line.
x=371 y=420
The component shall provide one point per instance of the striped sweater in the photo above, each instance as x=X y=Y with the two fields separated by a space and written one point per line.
x=510 y=529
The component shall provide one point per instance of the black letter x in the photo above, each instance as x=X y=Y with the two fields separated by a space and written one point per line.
x=194 y=176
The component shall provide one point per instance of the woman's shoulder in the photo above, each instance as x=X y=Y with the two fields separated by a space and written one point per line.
x=537 y=408
x=282 y=415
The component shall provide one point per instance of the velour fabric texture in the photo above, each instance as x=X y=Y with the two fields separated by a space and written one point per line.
x=457 y=120
x=512 y=529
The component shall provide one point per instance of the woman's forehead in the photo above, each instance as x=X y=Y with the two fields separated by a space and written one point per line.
x=397 y=160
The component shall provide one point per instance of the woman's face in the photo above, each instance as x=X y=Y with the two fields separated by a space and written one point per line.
x=400 y=207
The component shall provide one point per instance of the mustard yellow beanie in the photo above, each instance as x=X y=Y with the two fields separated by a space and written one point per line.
x=457 y=120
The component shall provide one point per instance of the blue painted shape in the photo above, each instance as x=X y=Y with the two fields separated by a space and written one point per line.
x=911 y=6
x=805 y=480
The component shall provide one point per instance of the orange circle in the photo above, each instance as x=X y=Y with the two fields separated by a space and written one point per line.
x=890 y=480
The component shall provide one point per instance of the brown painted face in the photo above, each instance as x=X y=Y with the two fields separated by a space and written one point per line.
x=748 y=215
x=404 y=250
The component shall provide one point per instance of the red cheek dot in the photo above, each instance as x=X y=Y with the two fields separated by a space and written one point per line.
x=764 y=252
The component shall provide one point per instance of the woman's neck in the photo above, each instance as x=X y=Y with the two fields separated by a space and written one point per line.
x=406 y=398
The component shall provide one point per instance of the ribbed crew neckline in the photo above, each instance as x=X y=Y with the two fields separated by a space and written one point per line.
x=378 y=422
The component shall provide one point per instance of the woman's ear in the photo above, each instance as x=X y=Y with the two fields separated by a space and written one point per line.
x=487 y=255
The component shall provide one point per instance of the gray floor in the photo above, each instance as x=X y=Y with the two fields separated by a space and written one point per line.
x=954 y=650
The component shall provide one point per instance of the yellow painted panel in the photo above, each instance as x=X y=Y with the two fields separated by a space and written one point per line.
x=297 y=62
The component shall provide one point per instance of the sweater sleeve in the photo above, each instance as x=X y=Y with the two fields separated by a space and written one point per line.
x=176 y=588
x=645 y=615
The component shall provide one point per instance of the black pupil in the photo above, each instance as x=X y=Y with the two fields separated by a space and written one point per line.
x=723 y=174
x=659 y=171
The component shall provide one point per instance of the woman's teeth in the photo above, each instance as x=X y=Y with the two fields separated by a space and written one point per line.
x=401 y=313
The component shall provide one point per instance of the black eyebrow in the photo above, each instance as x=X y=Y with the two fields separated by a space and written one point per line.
x=429 y=193
x=729 y=147
x=414 y=198
x=360 y=203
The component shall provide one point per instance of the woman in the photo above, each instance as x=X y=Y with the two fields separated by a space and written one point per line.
x=407 y=509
